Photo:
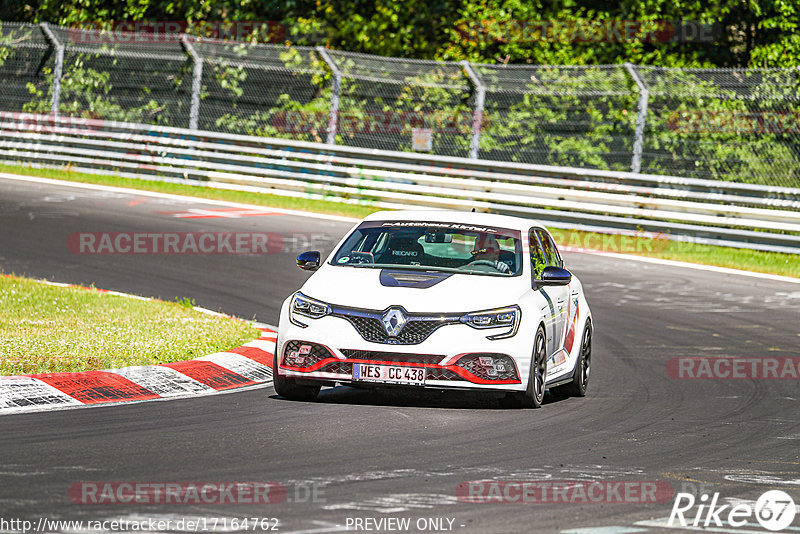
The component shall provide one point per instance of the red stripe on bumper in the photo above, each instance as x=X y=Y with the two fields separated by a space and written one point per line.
x=460 y=371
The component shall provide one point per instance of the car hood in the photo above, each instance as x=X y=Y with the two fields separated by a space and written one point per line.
x=364 y=288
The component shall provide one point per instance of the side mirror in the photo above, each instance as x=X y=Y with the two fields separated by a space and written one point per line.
x=555 y=276
x=308 y=261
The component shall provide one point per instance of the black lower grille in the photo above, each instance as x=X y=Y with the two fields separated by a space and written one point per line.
x=293 y=356
x=339 y=368
x=398 y=357
x=472 y=363
x=432 y=373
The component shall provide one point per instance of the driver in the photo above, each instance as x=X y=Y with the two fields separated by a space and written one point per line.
x=486 y=249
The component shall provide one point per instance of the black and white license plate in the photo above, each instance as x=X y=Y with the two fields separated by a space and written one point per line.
x=389 y=374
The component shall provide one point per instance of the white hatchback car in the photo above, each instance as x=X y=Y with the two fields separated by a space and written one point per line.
x=437 y=299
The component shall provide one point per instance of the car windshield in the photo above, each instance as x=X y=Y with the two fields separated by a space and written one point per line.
x=433 y=246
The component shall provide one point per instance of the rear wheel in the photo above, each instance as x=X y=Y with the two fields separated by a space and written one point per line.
x=288 y=387
x=583 y=367
x=533 y=396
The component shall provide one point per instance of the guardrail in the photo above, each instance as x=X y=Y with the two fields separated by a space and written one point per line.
x=686 y=209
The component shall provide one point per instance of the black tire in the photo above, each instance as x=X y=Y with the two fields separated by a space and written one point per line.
x=533 y=396
x=287 y=387
x=583 y=368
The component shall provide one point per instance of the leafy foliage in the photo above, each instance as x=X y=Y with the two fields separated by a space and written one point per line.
x=541 y=121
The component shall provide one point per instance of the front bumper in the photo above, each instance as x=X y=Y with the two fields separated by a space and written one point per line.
x=453 y=356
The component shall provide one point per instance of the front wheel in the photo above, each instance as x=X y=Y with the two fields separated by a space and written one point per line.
x=288 y=387
x=533 y=396
x=583 y=367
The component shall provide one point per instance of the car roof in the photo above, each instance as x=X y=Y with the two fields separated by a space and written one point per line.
x=456 y=216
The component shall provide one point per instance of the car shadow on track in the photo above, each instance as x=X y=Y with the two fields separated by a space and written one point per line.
x=412 y=397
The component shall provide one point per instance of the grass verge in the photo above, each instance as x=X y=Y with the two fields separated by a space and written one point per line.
x=750 y=260
x=46 y=328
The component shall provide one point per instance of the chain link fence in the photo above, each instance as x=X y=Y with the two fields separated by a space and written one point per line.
x=388 y=103
x=27 y=60
x=723 y=124
x=720 y=124
x=267 y=90
x=575 y=116
x=123 y=76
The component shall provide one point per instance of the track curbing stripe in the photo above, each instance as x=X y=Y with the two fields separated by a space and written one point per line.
x=210 y=374
x=93 y=387
x=241 y=365
x=18 y=393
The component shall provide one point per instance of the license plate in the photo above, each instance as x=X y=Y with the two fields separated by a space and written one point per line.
x=389 y=374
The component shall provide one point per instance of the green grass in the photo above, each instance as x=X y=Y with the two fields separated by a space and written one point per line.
x=751 y=260
x=45 y=328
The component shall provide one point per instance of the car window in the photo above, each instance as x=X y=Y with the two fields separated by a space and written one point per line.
x=538 y=258
x=444 y=246
x=550 y=250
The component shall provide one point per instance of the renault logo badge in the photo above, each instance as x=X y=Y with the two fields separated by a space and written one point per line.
x=393 y=321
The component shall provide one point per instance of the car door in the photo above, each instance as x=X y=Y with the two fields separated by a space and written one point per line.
x=557 y=296
x=549 y=310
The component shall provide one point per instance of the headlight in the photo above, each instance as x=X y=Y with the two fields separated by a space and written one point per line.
x=507 y=318
x=306 y=307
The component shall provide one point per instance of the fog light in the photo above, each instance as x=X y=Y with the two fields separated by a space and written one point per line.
x=294 y=358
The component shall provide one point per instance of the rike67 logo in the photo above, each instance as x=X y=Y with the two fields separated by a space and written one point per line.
x=774 y=511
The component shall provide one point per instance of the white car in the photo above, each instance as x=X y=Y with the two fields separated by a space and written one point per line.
x=438 y=299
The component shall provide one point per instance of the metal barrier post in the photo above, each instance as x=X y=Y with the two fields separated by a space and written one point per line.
x=197 y=79
x=333 y=120
x=58 y=69
x=477 y=114
x=644 y=95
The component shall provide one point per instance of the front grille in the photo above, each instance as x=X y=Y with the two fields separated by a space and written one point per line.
x=339 y=368
x=433 y=373
x=415 y=330
x=394 y=357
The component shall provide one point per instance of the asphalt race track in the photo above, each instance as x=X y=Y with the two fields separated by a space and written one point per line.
x=362 y=455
